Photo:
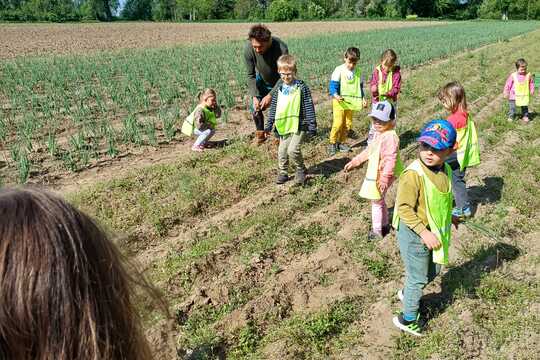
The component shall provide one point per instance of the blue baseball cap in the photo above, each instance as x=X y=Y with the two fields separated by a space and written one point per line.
x=439 y=134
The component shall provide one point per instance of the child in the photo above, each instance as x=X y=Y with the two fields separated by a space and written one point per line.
x=385 y=82
x=518 y=89
x=203 y=120
x=293 y=113
x=452 y=97
x=64 y=289
x=347 y=90
x=423 y=216
x=384 y=163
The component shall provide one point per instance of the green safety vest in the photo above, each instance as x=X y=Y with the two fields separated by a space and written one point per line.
x=369 y=189
x=384 y=88
x=438 y=211
x=350 y=91
x=189 y=124
x=288 y=111
x=468 y=153
x=522 y=90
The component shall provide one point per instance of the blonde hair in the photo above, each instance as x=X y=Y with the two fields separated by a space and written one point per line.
x=452 y=97
x=287 y=62
x=206 y=93
x=389 y=57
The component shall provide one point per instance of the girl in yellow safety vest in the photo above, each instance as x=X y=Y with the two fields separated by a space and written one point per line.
x=384 y=165
x=518 y=90
x=423 y=218
x=452 y=97
x=202 y=121
x=385 y=82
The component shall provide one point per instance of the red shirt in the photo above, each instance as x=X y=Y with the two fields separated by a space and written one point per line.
x=458 y=119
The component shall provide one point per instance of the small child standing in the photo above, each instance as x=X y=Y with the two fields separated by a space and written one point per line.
x=347 y=90
x=293 y=114
x=452 y=97
x=423 y=218
x=385 y=82
x=384 y=164
x=203 y=120
x=518 y=89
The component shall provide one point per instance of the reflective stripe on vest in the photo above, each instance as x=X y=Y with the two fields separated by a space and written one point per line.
x=468 y=153
x=350 y=90
x=384 y=88
x=522 y=90
x=369 y=189
x=189 y=123
x=288 y=111
x=438 y=210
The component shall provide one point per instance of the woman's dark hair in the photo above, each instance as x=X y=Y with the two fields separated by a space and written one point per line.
x=64 y=290
x=259 y=32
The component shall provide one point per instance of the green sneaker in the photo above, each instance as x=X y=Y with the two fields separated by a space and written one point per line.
x=412 y=327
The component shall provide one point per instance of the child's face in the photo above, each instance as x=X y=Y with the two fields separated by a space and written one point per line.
x=433 y=157
x=350 y=64
x=287 y=75
x=210 y=101
x=522 y=70
x=381 y=126
x=388 y=65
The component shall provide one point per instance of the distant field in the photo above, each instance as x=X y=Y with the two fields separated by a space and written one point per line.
x=41 y=39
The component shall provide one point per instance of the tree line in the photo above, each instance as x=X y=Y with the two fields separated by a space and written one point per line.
x=252 y=10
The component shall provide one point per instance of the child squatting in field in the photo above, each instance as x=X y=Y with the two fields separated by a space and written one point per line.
x=292 y=113
x=518 y=90
x=423 y=218
x=346 y=89
x=384 y=164
x=203 y=120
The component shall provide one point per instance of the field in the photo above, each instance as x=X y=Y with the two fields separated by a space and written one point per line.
x=256 y=271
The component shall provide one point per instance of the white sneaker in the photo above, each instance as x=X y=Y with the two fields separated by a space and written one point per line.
x=400 y=295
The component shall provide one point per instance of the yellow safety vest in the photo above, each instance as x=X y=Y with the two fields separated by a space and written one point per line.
x=468 y=153
x=369 y=189
x=522 y=90
x=350 y=90
x=288 y=111
x=189 y=123
x=384 y=87
x=438 y=210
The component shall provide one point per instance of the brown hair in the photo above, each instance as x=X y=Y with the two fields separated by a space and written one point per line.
x=259 y=32
x=287 y=62
x=64 y=291
x=389 y=57
x=206 y=93
x=452 y=97
x=520 y=62
x=353 y=54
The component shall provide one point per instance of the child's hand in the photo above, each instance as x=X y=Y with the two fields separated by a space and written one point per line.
x=364 y=103
x=350 y=165
x=338 y=97
x=256 y=105
x=382 y=186
x=455 y=221
x=430 y=240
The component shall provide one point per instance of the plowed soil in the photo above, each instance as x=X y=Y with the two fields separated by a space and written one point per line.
x=63 y=39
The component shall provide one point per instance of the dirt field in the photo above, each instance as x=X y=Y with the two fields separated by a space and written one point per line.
x=41 y=39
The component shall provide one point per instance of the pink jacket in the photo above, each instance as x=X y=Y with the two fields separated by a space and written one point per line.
x=509 y=88
x=396 y=83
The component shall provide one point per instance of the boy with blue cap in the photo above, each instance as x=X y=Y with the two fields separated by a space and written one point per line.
x=423 y=218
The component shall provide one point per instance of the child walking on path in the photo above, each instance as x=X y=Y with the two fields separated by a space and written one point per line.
x=383 y=166
x=347 y=90
x=423 y=218
x=203 y=120
x=518 y=89
x=452 y=97
x=293 y=114
x=385 y=82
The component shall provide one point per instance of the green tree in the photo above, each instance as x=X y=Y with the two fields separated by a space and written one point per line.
x=282 y=10
x=137 y=10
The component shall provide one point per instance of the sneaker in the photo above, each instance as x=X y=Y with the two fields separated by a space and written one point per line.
x=373 y=236
x=332 y=149
x=197 y=148
x=400 y=295
x=344 y=148
x=412 y=327
x=463 y=213
x=525 y=119
x=282 y=179
x=300 y=178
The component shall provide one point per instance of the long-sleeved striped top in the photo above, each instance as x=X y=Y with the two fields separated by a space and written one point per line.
x=308 y=122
